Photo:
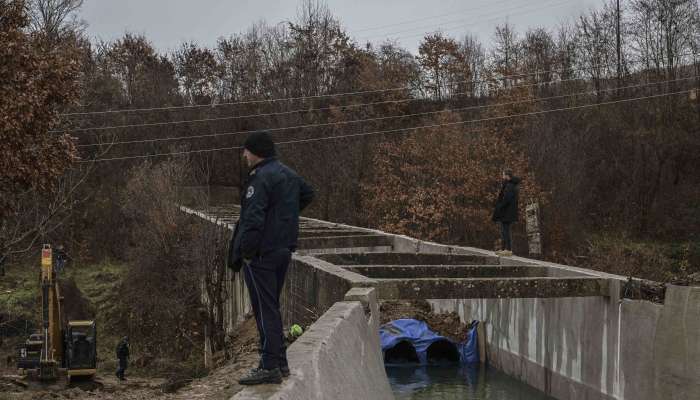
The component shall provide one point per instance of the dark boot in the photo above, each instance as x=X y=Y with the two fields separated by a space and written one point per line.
x=258 y=376
x=284 y=368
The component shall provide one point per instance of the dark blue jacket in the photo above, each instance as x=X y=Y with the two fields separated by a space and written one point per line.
x=123 y=349
x=273 y=196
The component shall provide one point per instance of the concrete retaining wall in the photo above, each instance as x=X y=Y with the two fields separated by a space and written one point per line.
x=594 y=348
x=586 y=348
x=312 y=286
x=338 y=358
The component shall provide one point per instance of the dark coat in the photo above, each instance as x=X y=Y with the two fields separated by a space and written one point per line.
x=506 y=209
x=123 y=350
x=273 y=197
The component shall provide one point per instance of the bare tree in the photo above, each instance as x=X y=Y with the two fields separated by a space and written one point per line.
x=198 y=73
x=506 y=54
x=473 y=57
x=597 y=45
x=566 y=51
x=56 y=18
x=320 y=46
x=147 y=78
x=665 y=32
x=397 y=67
x=539 y=55
x=438 y=54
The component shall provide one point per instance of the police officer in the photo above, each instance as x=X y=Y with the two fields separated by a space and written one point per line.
x=265 y=237
x=123 y=357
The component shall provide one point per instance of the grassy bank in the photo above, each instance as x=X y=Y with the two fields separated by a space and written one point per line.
x=654 y=260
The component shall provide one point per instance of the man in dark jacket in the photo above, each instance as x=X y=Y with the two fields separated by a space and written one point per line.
x=123 y=357
x=265 y=237
x=506 y=210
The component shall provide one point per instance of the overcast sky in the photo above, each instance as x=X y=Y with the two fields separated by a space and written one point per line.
x=167 y=23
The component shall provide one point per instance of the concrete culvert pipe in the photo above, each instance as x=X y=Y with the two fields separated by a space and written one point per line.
x=442 y=352
x=402 y=353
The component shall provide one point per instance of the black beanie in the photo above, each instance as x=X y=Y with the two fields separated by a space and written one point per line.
x=260 y=143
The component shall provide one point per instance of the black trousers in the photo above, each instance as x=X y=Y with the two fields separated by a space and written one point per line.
x=123 y=364
x=264 y=278
x=505 y=235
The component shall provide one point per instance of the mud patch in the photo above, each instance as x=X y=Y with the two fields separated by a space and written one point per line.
x=75 y=305
x=448 y=324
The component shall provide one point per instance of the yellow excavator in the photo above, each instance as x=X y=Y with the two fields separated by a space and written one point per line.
x=59 y=346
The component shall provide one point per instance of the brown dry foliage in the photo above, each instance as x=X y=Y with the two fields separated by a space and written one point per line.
x=175 y=260
x=441 y=183
x=36 y=82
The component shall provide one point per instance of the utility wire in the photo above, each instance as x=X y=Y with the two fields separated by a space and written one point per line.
x=382 y=118
x=479 y=22
x=463 y=11
x=259 y=101
x=398 y=130
x=241 y=102
x=459 y=23
x=257 y=115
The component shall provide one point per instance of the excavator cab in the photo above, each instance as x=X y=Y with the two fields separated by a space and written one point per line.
x=29 y=355
x=81 y=349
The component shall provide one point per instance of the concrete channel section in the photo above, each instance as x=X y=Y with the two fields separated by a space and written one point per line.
x=563 y=330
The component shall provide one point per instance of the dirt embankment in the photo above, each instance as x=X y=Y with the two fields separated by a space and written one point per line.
x=75 y=305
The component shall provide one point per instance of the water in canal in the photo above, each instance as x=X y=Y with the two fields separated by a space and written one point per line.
x=463 y=383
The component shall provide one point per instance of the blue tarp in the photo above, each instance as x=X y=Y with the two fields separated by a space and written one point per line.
x=418 y=334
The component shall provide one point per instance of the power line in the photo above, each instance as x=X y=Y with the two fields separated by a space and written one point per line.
x=382 y=118
x=212 y=105
x=481 y=21
x=376 y=28
x=167 y=108
x=257 y=115
x=478 y=19
x=528 y=114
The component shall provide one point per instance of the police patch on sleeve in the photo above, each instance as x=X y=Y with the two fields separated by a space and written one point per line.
x=250 y=192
